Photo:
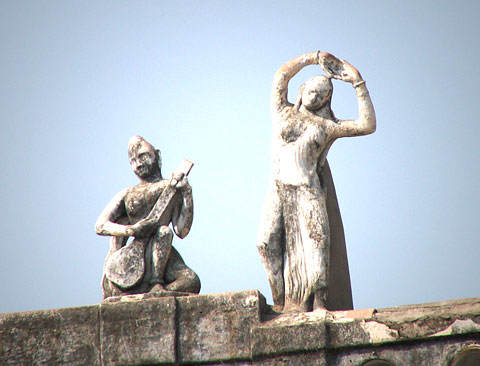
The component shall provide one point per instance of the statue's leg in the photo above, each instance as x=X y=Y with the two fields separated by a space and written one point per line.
x=315 y=237
x=161 y=246
x=179 y=276
x=298 y=257
x=270 y=245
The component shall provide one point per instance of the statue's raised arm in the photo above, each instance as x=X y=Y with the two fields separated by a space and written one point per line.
x=365 y=124
x=279 y=97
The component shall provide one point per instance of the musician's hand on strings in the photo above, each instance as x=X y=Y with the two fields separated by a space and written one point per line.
x=144 y=228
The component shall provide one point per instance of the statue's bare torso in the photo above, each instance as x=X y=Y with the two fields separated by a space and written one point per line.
x=140 y=199
x=298 y=144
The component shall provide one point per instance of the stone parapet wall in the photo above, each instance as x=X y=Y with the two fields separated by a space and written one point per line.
x=240 y=329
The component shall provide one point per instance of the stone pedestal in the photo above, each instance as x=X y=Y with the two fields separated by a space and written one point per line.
x=240 y=329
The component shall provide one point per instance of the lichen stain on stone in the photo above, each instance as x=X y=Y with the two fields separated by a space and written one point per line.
x=203 y=328
x=251 y=301
x=379 y=332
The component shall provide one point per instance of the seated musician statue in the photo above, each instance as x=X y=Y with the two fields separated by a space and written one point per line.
x=148 y=263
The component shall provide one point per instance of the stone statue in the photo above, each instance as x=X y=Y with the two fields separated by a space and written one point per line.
x=148 y=263
x=301 y=240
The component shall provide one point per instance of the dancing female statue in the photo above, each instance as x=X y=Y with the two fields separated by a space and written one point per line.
x=297 y=221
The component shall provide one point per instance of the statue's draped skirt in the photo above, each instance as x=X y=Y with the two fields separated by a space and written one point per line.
x=306 y=253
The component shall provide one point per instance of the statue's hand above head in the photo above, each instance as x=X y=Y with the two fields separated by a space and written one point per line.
x=143 y=228
x=338 y=69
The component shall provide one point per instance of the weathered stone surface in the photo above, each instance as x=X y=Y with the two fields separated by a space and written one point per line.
x=217 y=327
x=422 y=320
x=138 y=333
x=424 y=353
x=229 y=363
x=140 y=297
x=50 y=337
x=288 y=333
x=421 y=353
x=238 y=329
x=298 y=359
x=320 y=330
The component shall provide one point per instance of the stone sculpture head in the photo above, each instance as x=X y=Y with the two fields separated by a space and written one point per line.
x=146 y=162
x=316 y=92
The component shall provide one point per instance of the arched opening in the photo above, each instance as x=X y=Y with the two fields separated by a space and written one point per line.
x=469 y=356
x=377 y=362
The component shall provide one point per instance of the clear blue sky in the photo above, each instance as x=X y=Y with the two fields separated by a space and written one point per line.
x=78 y=79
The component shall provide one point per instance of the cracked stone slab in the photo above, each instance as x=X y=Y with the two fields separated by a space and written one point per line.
x=424 y=320
x=329 y=330
x=469 y=306
x=379 y=332
x=319 y=330
x=459 y=326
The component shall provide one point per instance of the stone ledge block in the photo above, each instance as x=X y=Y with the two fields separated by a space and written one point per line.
x=316 y=331
x=50 y=337
x=217 y=327
x=138 y=333
x=278 y=339
x=319 y=358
